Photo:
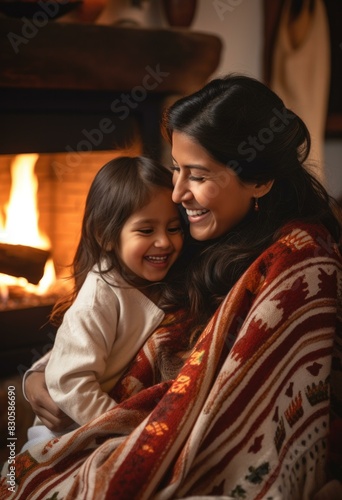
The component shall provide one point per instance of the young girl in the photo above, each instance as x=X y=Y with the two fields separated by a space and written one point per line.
x=131 y=236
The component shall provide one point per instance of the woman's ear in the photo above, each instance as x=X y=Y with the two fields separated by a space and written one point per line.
x=263 y=188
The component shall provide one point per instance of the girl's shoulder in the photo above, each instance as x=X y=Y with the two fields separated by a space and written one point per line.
x=103 y=273
x=98 y=284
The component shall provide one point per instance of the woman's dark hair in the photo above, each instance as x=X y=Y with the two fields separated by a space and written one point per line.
x=244 y=125
x=121 y=187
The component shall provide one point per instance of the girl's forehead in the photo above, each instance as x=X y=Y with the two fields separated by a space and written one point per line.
x=159 y=196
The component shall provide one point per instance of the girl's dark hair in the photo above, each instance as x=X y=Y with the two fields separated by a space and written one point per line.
x=245 y=126
x=120 y=187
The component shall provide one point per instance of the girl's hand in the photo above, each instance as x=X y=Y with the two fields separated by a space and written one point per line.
x=42 y=404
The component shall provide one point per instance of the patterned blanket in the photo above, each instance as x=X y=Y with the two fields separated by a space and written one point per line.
x=246 y=413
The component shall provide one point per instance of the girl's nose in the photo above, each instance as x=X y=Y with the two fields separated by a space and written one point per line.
x=162 y=241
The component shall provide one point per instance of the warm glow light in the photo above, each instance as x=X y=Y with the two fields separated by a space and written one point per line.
x=48 y=278
x=21 y=212
x=19 y=222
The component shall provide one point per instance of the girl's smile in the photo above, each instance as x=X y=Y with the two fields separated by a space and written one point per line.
x=158 y=261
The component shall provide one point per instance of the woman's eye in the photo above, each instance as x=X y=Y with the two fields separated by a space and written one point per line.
x=174 y=168
x=196 y=179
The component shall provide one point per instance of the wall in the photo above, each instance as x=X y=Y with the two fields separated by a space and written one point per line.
x=240 y=27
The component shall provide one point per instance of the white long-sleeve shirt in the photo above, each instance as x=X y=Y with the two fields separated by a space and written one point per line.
x=101 y=333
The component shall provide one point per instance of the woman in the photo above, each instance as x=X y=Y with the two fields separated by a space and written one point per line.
x=238 y=171
x=245 y=413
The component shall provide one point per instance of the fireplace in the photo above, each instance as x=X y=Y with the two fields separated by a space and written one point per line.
x=60 y=197
x=76 y=112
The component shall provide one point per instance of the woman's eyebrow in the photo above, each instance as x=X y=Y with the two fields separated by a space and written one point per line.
x=194 y=166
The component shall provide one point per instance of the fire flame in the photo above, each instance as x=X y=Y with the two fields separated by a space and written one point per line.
x=21 y=227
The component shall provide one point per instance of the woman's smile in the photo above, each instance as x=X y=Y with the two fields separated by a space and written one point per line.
x=192 y=212
x=198 y=215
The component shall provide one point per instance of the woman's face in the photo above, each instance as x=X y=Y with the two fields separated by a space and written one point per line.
x=214 y=197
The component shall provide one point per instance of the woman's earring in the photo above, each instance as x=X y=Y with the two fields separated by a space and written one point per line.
x=256 y=204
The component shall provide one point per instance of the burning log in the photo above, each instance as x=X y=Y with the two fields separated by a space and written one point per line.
x=23 y=261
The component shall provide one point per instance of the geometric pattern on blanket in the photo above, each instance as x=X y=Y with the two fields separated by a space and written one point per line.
x=246 y=413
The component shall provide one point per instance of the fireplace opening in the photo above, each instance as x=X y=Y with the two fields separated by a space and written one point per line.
x=42 y=199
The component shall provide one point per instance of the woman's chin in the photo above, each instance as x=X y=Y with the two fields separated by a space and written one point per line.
x=201 y=233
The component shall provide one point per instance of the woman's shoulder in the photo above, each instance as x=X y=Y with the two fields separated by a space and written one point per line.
x=299 y=235
x=300 y=245
x=300 y=249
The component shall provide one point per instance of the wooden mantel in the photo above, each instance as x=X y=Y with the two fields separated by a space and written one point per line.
x=62 y=78
x=92 y=57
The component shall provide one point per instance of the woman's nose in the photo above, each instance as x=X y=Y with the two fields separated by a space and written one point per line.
x=180 y=192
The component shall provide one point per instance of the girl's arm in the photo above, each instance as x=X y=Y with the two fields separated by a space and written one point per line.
x=79 y=357
x=42 y=404
x=38 y=366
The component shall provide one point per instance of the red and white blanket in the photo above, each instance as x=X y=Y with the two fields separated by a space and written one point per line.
x=245 y=414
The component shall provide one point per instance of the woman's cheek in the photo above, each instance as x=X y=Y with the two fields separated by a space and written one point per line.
x=211 y=192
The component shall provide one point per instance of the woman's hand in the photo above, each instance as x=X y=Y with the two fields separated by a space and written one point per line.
x=42 y=404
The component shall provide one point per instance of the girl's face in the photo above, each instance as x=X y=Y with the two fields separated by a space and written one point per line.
x=152 y=238
x=214 y=197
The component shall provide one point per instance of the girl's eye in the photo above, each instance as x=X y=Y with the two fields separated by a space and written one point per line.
x=174 y=230
x=174 y=168
x=145 y=231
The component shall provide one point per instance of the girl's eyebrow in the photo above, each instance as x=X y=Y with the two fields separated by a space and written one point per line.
x=152 y=221
x=143 y=221
x=195 y=166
